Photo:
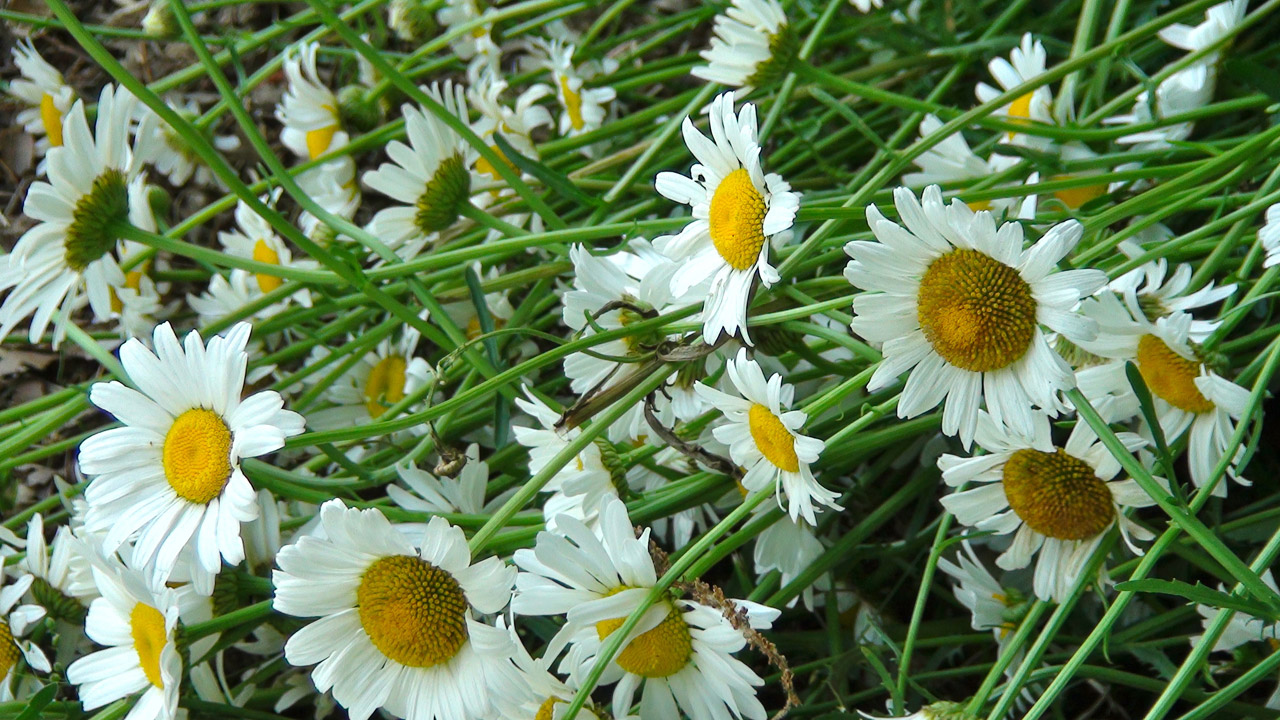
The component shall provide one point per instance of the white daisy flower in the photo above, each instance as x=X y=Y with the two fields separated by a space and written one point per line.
x=430 y=176
x=866 y=6
x=538 y=694
x=137 y=621
x=736 y=210
x=960 y=303
x=1219 y=21
x=516 y=124
x=229 y=293
x=1242 y=628
x=464 y=494
x=67 y=256
x=14 y=622
x=381 y=378
x=172 y=156
x=476 y=42
x=48 y=98
x=951 y=162
x=764 y=438
x=170 y=477
x=309 y=109
x=790 y=547
x=61 y=581
x=576 y=489
x=1269 y=234
x=396 y=628
x=255 y=239
x=584 y=108
x=333 y=187
x=1186 y=393
x=1152 y=292
x=991 y=604
x=1026 y=62
x=1059 y=501
x=681 y=651
x=753 y=47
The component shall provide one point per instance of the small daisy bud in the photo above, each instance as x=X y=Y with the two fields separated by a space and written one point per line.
x=159 y=21
x=358 y=109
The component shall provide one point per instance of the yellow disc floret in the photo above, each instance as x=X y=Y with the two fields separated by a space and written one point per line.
x=737 y=220
x=660 y=652
x=318 y=140
x=1057 y=495
x=385 y=385
x=414 y=612
x=264 y=253
x=146 y=626
x=546 y=711
x=51 y=119
x=976 y=312
x=775 y=442
x=572 y=104
x=197 y=455
x=9 y=651
x=1170 y=376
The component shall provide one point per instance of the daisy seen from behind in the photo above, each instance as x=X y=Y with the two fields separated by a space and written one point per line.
x=170 y=477
x=753 y=47
x=681 y=651
x=764 y=438
x=67 y=257
x=1058 y=502
x=736 y=209
x=960 y=303
x=396 y=627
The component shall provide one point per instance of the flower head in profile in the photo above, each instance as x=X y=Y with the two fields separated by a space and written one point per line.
x=1026 y=63
x=763 y=437
x=957 y=301
x=1057 y=501
x=169 y=479
x=396 y=625
x=67 y=258
x=753 y=47
x=46 y=95
x=737 y=209
x=15 y=620
x=584 y=107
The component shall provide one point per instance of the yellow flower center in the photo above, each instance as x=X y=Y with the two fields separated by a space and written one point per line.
x=546 y=710
x=52 y=120
x=1077 y=196
x=146 y=625
x=262 y=252
x=1020 y=111
x=132 y=281
x=319 y=140
x=385 y=385
x=1057 y=495
x=572 y=104
x=197 y=455
x=1170 y=376
x=979 y=205
x=775 y=442
x=660 y=652
x=414 y=612
x=486 y=167
x=976 y=312
x=737 y=220
x=9 y=651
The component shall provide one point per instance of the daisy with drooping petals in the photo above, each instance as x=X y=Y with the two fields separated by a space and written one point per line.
x=753 y=47
x=68 y=255
x=170 y=477
x=430 y=176
x=736 y=210
x=381 y=378
x=1242 y=628
x=584 y=108
x=681 y=651
x=1026 y=63
x=255 y=239
x=47 y=97
x=1152 y=292
x=61 y=581
x=1188 y=395
x=396 y=627
x=309 y=109
x=464 y=494
x=990 y=603
x=137 y=620
x=1059 y=501
x=538 y=694
x=476 y=44
x=14 y=622
x=961 y=304
x=764 y=439
x=952 y=162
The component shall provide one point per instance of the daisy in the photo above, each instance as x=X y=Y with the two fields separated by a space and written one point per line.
x=538 y=695
x=584 y=108
x=1026 y=63
x=476 y=44
x=736 y=209
x=170 y=477
x=1269 y=235
x=1060 y=502
x=411 y=20
x=47 y=97
x=1242 y=628
x=1187 y=394
x=681 y=651
x=993 y=606
x=430 y=176
x=516 y=124
x=14 y=622
x=67 y=255
x=1152 y=292
x=790 y=547
x=952 y=163
x=61 y=582
x=397 y=626
x=255 y=239
x=464 y=494
x=764 y=439
x=137 y=621
x=381 y=378
x=753 y=47
x=961 y=304
x=577 y=488
x=309 y=109
x=172 y=156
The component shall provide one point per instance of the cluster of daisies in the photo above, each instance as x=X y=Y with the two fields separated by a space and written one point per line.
x=249 y=526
